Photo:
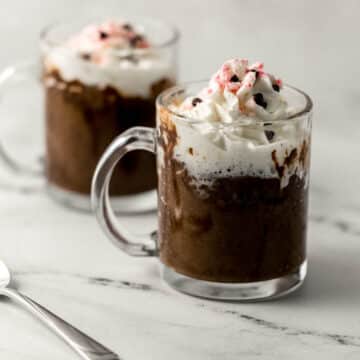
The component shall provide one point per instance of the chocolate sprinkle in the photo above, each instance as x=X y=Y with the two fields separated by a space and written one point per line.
x=86 y=56
x=276 y=87
x=269 y=134
x=234 y=78
x=131 y=58
x=127 y=27
x=256 y=73
x=135 y=40
x=196 y=101
x=103 y=35
x=259 y=99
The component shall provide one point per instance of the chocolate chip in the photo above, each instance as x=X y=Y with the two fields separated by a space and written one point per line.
x=103 y=35
x=191 y=151
x=130 y=58
x=234 y=78
x=276 y=87
x=127 y=27
x=135 y=40
x=256 y=73
x=269 y=134
x=196 y=101
x=259 y=99
x=86 y=56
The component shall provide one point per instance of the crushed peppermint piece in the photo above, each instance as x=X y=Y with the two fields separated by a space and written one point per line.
x=240 y=89
x=94 y=41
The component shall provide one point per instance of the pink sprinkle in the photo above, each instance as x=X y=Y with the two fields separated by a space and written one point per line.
x=233 y=87
x=143 y=44
x=226 y=67
x=98 y=59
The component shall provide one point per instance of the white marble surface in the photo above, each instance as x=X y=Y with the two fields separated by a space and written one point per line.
x=62 y=259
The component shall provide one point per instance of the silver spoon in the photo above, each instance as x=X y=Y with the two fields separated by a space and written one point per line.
x=86 y=347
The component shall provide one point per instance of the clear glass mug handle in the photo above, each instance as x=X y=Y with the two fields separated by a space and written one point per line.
x=136 y=138
x=16 y=76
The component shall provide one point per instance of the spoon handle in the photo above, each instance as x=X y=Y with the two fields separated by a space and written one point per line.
x=86 y=347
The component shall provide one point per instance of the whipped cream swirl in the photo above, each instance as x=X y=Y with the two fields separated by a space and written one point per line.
x=230 y=127
x=238 y=91
x=98 y=43
x=113 y=53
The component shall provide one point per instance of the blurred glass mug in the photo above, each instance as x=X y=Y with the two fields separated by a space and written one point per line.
x=88 y=102
x=220 y=235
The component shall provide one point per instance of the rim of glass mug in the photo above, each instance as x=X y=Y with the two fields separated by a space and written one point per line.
x=48 y=34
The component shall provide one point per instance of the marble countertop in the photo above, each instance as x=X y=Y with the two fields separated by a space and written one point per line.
x=62 y=259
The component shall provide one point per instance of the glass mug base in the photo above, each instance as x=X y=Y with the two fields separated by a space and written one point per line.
x=242 y=292
x=137 y=203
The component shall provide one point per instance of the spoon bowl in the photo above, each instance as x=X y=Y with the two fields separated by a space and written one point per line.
x=4 y=275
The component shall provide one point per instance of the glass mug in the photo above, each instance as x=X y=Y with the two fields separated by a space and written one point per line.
x=85 y=109
x=232 y=224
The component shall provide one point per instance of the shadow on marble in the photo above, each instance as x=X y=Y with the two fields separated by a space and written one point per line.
x=331 y=279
